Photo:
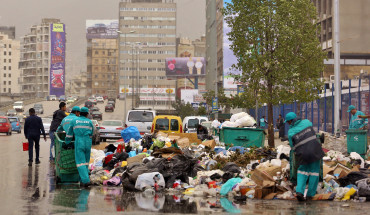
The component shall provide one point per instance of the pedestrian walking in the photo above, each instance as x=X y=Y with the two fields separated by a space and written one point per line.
x=281 y=126
x=82 y=129
x=263 y=122
x=66 y=122
x=358 y=119
x=306 y=153
x=58 y=116
x=33 y=128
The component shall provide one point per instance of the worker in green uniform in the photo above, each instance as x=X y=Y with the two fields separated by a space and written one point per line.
x=307 y=152
x=82 y=129
x=66 y=122
x=357 y=119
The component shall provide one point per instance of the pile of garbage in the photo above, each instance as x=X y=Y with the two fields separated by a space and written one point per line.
x=181 y=163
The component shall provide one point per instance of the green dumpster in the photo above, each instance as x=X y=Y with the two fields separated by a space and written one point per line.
x=65 y=163
x=357 y=141
x=246 y=137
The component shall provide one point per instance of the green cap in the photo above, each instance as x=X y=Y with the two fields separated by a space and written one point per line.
x=351 y=107
x=76 y=108
x=84 y=110
x=290 y=116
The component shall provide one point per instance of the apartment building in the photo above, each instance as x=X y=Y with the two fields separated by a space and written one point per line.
x=147 y=38
x=42 y=60
x=8 y=30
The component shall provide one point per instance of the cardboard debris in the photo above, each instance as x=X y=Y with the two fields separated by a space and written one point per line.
x=260 y=193
x=343 y=174
x=209 y=143
x=137 y=158
x=319 y=197
x=183 y=142
x=356 y=168
x=327 y=170
x=339 y=168
x=271 y=170
x=193 y=137
x=270 y=196
x=259 y=176
x=162 y=134
x=172 y=137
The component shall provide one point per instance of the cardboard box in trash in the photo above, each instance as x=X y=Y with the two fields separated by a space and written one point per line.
x=137 y=158
x=193 y=137
x=260 y=176
x=209 y=143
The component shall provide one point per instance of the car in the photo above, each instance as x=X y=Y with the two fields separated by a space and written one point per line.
x=110 y=129
x=111 y=99
x=112 y=103
x=75 y=98
x=191 y=123
x=97 y=115
x=94 y=109
x=5 y=126
x=25 y=115
x=62 y=98
x=140 y=118
x=105 y=97
x=89 y=104
x=39 y=108
x=95 y=137
x=109 y=107
x=46 y=122
x=93 y=100
x=16 y=124
x=11 y=112
x=52 y=98
x=100 y=99
x=18 y=106
x=70 y=100
x=167 y=124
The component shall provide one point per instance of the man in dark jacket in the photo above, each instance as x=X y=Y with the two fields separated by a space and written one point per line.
x=58 y=116
x=281 y=126
x=33 y=127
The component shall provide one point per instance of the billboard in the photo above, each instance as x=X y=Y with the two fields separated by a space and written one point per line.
x=185 y=66
x=57 y=62
x=101 y=29
x=188 y=95
x=229 y=58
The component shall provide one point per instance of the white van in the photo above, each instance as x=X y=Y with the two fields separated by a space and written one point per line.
x=190 y=123
x=141 y=118
x=18 y=106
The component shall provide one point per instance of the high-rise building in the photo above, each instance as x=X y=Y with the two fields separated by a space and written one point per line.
x=147 y=38
x=8 y=30
x=102 y=57
x=42 y=61
x=214 y=44
x=9 y=71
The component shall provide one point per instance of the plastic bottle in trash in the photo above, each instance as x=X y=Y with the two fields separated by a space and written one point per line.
x=333 y=183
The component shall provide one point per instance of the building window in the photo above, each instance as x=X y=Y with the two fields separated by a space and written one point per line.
x=103 y=52
x=4 y=75
x=9 y=75
x=10 y=45
x=4 y=45
x=4 y=90
x=4 y=52
x=4 y=82
x=96 y=52
x=9 y=90
x=96 y=76
x=4 y=67
x=10 y=60
x=96 y=61
x=4 y=60
x=10 y=53
x=9 y=68
x=9 y=82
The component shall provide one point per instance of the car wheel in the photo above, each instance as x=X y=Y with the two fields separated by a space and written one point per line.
x=19 y=131
x=7 y=133
x=10 y=133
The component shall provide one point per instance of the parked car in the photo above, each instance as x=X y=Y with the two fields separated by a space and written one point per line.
x=39 y=108
x=140 y=118
x=191 y=122
x=16 y=124
x=11 y=112
x=5 y=126
x=62 y=98
x=93 y=100
x=89 y=104
x=97 y=115
x=110 y=129
x=46 y=122
x=96 y=134
x=109 y=107
x=167 y=124
x=100 y=99
x=52 y=98
x=18 y=106
x=113 y=103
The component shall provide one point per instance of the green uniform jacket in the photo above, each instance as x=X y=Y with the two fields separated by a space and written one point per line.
x=357 y=122
x=66 y=122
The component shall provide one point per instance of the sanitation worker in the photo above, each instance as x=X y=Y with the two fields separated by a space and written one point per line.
x=82 y=129
x=358 y=119
x=307 y=153
x=66 y=122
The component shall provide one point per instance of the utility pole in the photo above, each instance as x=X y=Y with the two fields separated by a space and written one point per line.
x=337 y=90
x=132 y=78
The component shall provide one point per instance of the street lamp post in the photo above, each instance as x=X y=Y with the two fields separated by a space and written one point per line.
x=337 y=90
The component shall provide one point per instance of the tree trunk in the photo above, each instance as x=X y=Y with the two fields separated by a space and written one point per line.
x=271 y=136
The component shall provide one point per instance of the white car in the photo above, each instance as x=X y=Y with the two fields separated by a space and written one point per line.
x=93 y=100
x=18 y=106
x=100 y=99
x=191 y=122
x=110 y=129
x=52 y=98
x=141 y=118
x=70 y=100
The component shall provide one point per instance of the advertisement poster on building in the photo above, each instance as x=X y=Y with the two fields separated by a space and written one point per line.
x=57 y=62
x=101 y=29
x=185 y=66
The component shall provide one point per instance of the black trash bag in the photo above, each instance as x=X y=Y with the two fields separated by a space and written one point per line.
x=119 y=170
x=118 y=157
x=226 y=176
x=128 y=148
x=215 y=176
x=231 y=167
x=363 y=188
x=128 y=185
x=110 y=148
x=351 y=178
x=147 y=141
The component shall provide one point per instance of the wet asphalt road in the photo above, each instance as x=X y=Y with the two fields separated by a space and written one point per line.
x=32 y=190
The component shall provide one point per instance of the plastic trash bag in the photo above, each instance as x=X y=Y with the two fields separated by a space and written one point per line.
x=228 y=186
x=149 y=180
x=130 y=133
x=229 y=124
x=351 y=178
x=364 y=187
x=238 y=116
x=231 y=167
x=215 y=124
x=246 y=121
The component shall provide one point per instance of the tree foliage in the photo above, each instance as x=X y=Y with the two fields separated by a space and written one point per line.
x=223 y=100
x=187 y=109
x=280 y=55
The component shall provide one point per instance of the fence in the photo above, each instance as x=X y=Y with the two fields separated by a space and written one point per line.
x=321 y=111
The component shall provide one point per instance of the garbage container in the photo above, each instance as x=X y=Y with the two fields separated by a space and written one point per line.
x=357 y=141
x=246 y=137
x=65 y=163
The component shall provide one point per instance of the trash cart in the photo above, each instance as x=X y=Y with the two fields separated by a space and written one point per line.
x=246 y=137
x=357 y=141
x=65 y=163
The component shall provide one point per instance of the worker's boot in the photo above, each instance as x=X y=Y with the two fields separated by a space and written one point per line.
x=300 y=197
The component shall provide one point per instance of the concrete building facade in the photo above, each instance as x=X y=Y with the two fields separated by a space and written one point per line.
x=147 y=38
x=8 y=30
x=35 y=59
x=214 y=44
x=9 y=70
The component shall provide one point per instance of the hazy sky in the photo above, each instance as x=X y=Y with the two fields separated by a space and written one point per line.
x=25 y=13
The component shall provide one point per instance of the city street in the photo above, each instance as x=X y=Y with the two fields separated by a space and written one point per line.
x=32 y=190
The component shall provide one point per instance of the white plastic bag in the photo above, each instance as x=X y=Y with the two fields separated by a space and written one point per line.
x=238 y=116
x=246 y=121
x=215 y=124
x=229 y=124
x=147 y=180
